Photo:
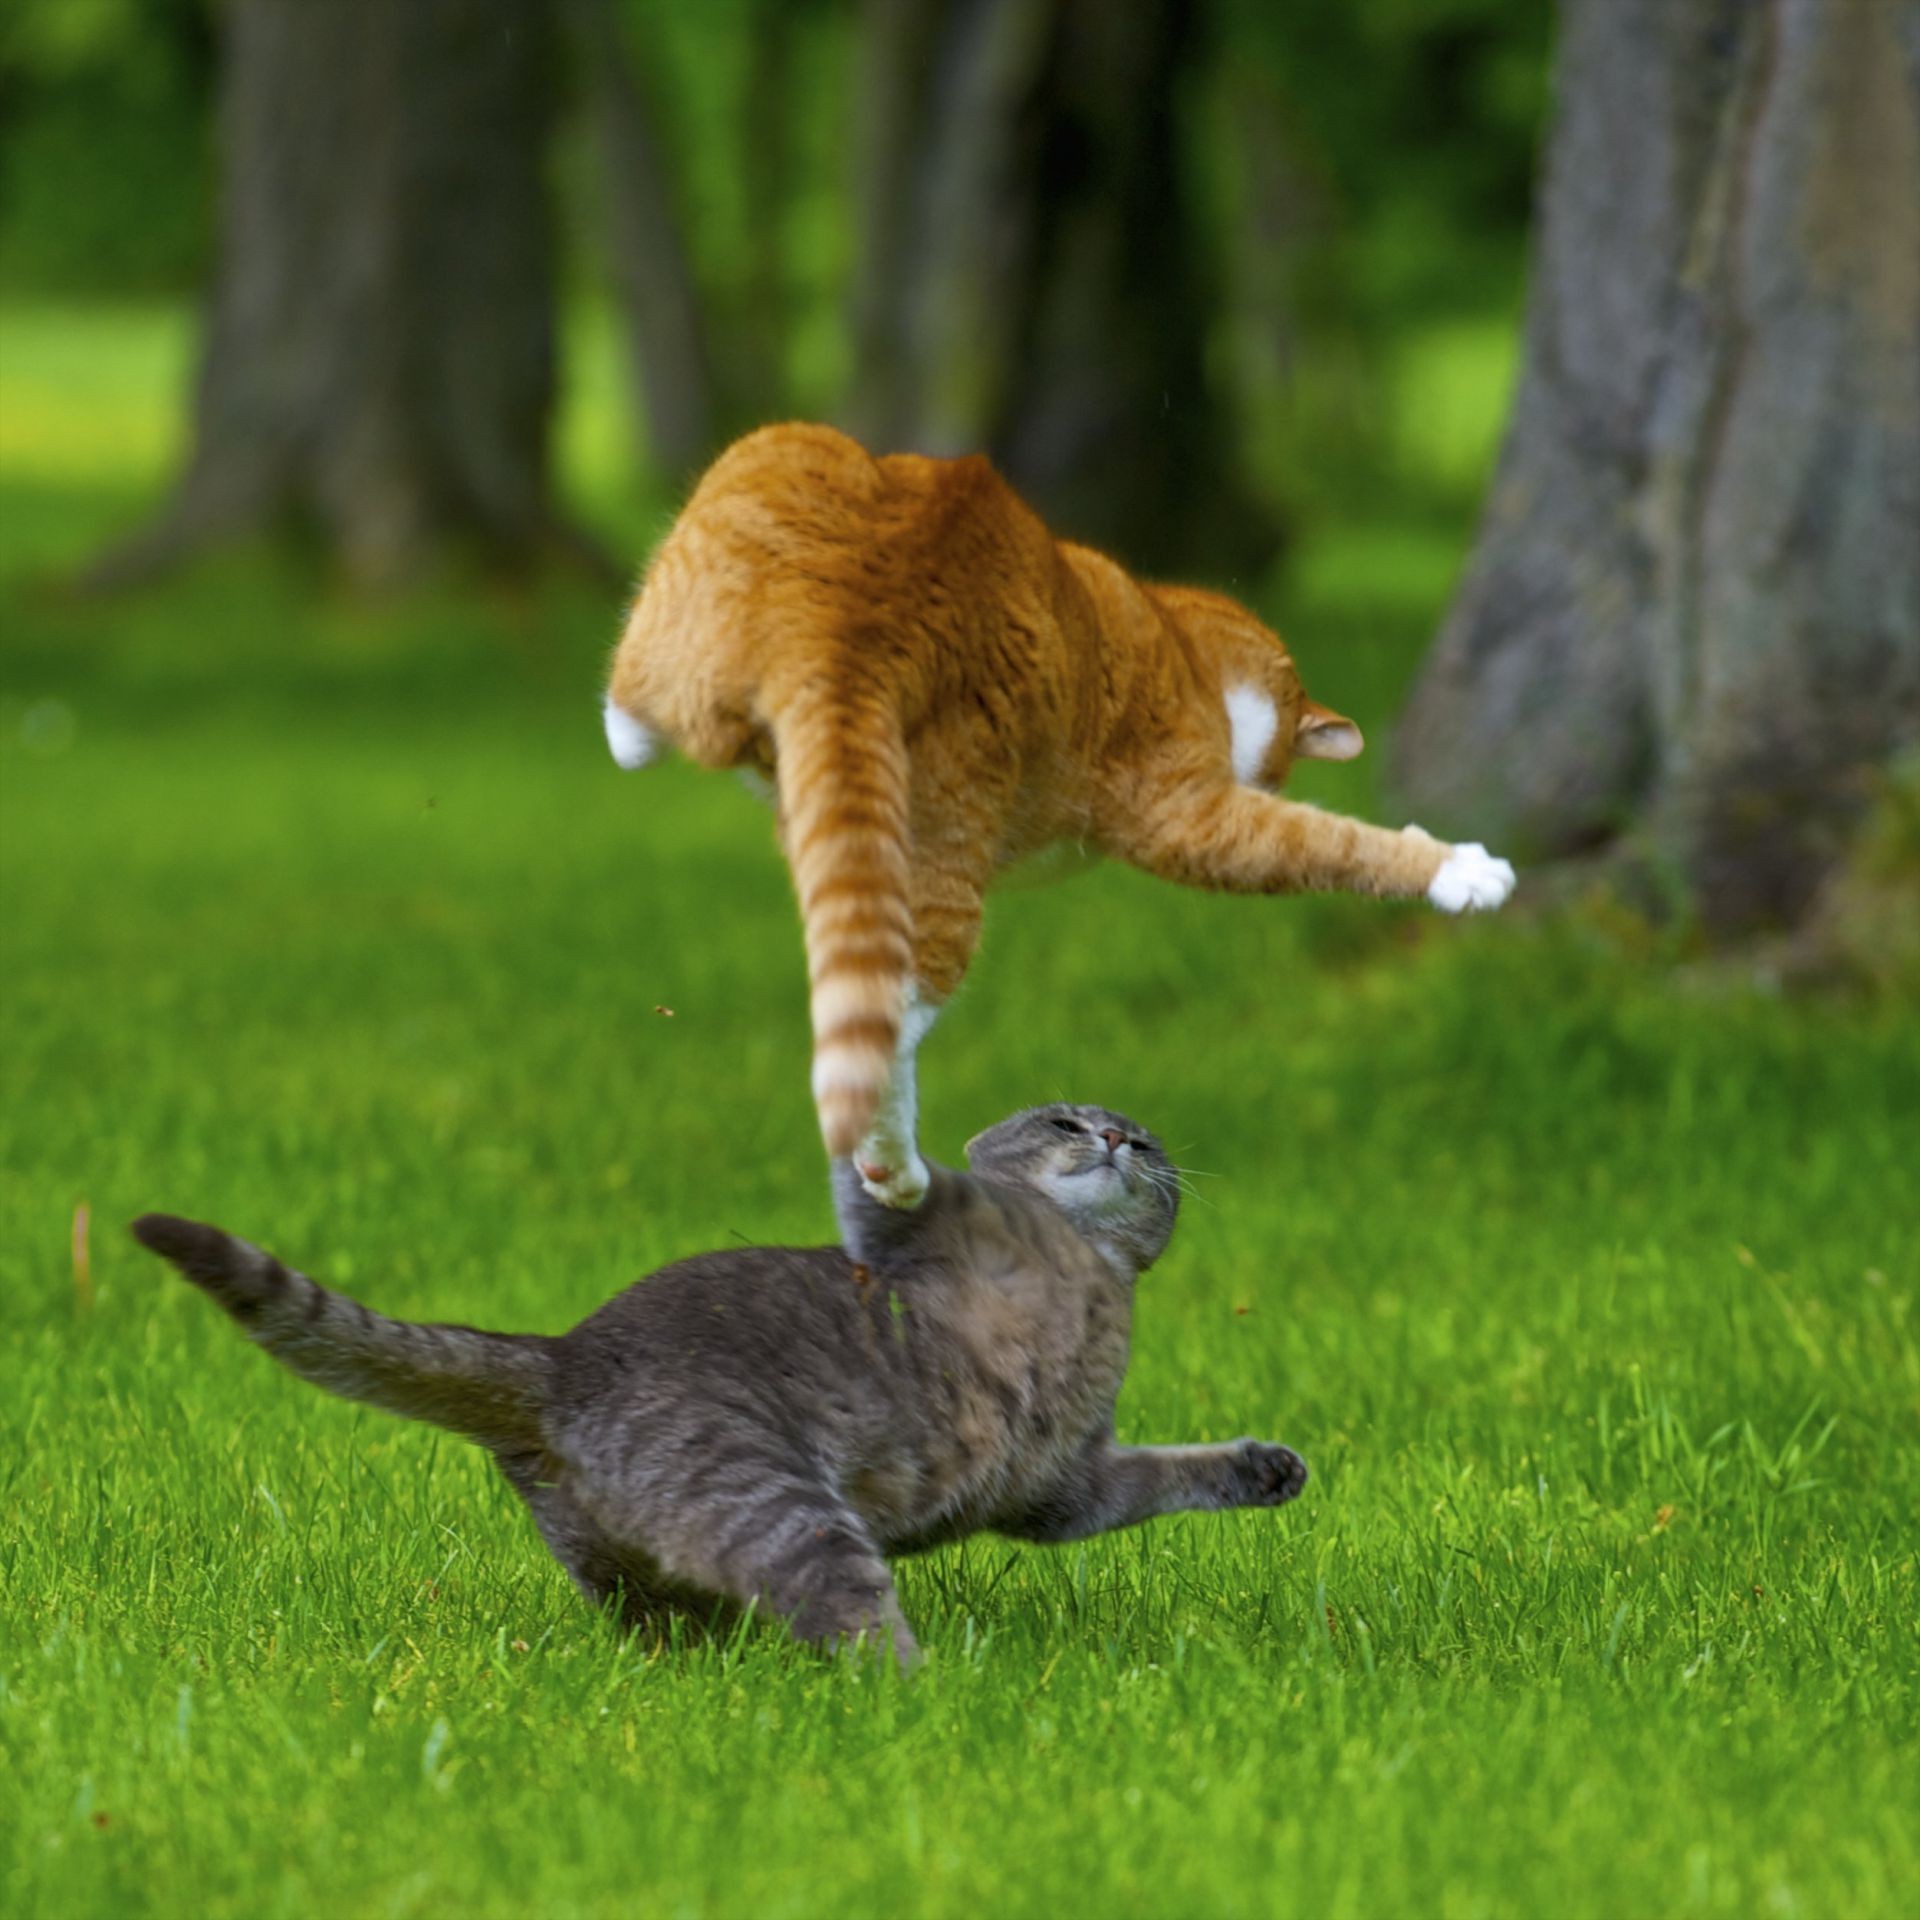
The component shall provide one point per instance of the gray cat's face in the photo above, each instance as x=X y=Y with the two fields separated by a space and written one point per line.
x=1107 y=1173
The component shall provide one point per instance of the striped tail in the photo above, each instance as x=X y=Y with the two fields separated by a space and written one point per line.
x=491 y=1387
x=841 y=762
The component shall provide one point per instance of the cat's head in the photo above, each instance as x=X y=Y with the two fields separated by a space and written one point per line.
x=1106 y=1173
x=1271 y=720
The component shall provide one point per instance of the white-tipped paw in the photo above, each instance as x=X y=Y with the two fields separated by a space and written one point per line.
x=631 y=742
x=902 y=1186
x=1471 y=879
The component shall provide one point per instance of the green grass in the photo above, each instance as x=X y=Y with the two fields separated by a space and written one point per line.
x=1584 y=1279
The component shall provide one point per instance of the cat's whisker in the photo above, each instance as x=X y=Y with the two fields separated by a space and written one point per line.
x=1176 y=1156
x=1198 y=1200
x=1168 y=1178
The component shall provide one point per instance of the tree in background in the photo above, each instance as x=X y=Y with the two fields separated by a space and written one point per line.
x=105 y=168
x=961 y=223
x=378 y=365
x=703 y=366
x=669 y=323
x=1028 y=278
x=1695 y=599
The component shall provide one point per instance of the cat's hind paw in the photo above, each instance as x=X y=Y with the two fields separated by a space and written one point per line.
x=632 y=742
x=904 y=1186
x=1471 y=879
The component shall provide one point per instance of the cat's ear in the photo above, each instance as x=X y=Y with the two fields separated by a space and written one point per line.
x=1322 y=734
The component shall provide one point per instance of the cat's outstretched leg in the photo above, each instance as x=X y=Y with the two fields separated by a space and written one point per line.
x=888 y=1156
x=1246 y=841
x=1114 y=1486
x=950 y=874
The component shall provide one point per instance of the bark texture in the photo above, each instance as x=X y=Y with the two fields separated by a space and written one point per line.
x=1028 y=280
x=1695 y=597
x=379 y=357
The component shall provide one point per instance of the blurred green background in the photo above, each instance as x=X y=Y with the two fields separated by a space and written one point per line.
x=1582 y=1267
x=1358 y=182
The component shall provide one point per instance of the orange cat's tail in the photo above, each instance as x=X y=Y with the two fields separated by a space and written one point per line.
x=841 y=763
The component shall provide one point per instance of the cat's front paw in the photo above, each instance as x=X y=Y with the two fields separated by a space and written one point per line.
x=1270 y=1475
x=1470 y=878
x=903 y=1186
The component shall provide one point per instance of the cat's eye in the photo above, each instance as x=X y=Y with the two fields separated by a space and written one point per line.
x=1069 y=1126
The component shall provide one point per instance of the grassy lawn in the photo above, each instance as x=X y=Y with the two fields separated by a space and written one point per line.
x=1584 y=1280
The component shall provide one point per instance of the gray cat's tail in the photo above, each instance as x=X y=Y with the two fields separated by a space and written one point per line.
x=492 y=1387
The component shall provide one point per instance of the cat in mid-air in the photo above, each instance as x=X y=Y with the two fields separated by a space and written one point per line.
x=938 y=688
x=765 y=1426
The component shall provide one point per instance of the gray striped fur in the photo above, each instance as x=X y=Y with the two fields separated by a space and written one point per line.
x=767 y=1426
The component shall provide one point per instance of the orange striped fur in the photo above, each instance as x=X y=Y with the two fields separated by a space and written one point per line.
x=939 y=688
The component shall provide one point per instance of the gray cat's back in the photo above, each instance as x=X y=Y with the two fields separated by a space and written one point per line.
x=773 y=1337
x=928 y=1383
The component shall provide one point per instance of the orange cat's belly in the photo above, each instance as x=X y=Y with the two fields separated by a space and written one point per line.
x=1060 y=860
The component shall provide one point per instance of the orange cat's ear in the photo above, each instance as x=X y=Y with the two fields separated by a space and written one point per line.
x=1322 y=734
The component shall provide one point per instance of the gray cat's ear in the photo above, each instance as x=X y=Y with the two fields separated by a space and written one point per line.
x=1322 y=734
x=966 y=1152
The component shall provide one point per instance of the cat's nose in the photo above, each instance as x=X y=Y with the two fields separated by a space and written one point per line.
x=1114 y=1138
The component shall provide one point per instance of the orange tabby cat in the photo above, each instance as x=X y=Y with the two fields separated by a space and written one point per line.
x=939 y=687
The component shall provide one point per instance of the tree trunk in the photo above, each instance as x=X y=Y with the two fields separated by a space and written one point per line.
x=1028 y=281
x=1695 y=599
x=768 y=154
x=379 y=356
x=667 y=325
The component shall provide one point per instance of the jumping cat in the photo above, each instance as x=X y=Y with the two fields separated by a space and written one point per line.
x=939 y=688
x=767 y=1425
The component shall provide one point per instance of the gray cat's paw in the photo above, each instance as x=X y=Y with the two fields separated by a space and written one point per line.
x=1271 y=1474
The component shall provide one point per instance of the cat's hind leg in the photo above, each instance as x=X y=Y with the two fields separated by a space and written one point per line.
x=828 y=1580
x=686 y=1501
x=888 y=1156
x=613 y=1575
x=746 y=1530
x=951 y=867
x=605 y=1577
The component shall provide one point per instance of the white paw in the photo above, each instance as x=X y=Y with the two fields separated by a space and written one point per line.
x=631 y=742
x=1469 y=879
x=903 y=1186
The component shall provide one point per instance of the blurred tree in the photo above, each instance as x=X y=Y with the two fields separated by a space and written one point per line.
x=1695 y=600
x=668 y=324
x=378 y=363
x=767 y=170
x=707 y=337
x=1407 y=131
x=105 y=154
x=1029 y=280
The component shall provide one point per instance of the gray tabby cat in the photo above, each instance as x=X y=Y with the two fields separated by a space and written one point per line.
x=767 y=1425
